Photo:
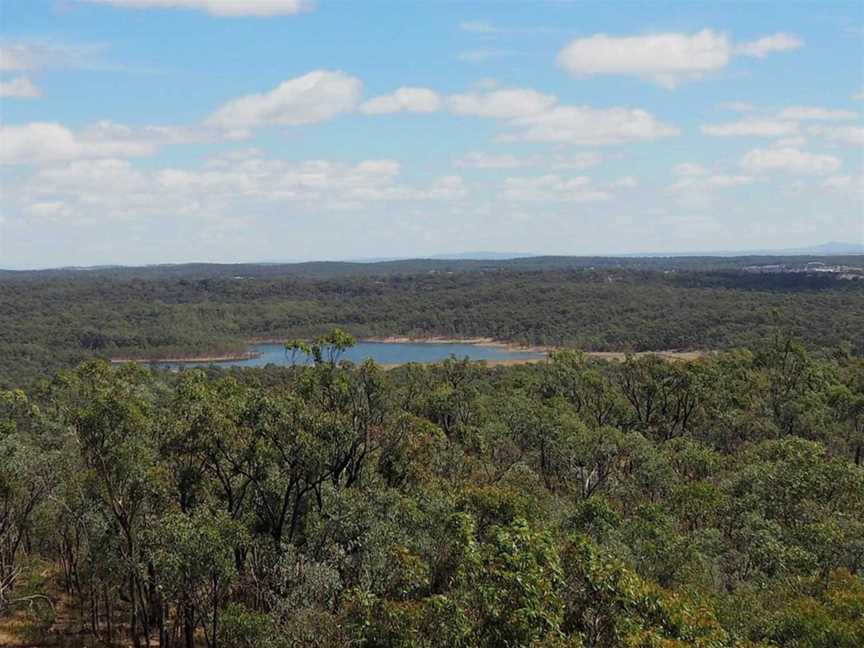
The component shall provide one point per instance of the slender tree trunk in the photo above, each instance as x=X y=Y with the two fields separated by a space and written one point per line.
x=109 y=613
x=189 y=626
x=136 y=641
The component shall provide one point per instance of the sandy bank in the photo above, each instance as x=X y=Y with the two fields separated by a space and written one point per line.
x=202 y=359
x=490 y=342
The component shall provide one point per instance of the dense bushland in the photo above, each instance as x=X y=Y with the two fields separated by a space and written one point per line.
x=53 y=322
x=569 y=503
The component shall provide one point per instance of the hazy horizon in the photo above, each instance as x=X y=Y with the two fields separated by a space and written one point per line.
x=137 y=132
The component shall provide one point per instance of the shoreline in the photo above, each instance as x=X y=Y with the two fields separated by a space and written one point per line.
x=669 y=354
x=479 y=341
x=201 y=359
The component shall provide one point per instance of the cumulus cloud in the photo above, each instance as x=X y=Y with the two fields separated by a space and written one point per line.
x=21 y=56
x=761 y=47
x=553 y=188
x=478 y=27
x=787 y=124
x=579 y=161
x=751 y=127
x=491 y=161
x=789 y=160
x=223 y=8
x=42 y=143
x=665 y=59
x=854 y=182
x=627 y=182
x=501 y=104
x=853 y=135
x=790 y=142
x=703 y=182
x=482 y=55
x=313 y=97
x=228 y=186
x=405 y=99
x=815 y=113
x=723 y=180
x=532 y=116
x=737 y=106
x=690 y=169
x=19 y=88
x=583 y=125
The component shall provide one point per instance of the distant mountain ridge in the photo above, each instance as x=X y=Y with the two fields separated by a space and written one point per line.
x=473 y=260
x=831 y=248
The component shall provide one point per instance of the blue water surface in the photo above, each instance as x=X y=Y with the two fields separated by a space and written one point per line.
x=386 y=353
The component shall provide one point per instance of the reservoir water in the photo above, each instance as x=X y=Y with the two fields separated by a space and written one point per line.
x=385 y=353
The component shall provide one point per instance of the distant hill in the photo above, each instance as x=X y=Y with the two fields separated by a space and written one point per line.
x=327 y=270
x=828 y=249
x=832 y=248
x=483 y=256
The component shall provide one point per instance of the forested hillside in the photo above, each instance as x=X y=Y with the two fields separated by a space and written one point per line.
x=55 y=321
x=569 y=503
x=341 y=269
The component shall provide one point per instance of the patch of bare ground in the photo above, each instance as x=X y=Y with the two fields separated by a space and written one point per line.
x=680 y=356
x=613 y=356
x=203 y=359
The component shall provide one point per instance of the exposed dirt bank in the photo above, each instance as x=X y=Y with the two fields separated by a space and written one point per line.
x=202 y=359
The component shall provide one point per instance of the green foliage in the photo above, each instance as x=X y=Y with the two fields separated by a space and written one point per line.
x=572 y=503
x=54 y=320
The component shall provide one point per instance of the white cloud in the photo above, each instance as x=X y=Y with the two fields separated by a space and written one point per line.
x=584 y=125
x=231 y=186
x=490 y=161
x=761 y=47
x=482 y=55
x=815 y=113
x=478 y=27
x=690 y=169
x=223 y=8
x=486 y=83
x=787 y=123
x=421 y=100
x=444 y=188
x=95 y=176
x=577 y=161
x=853 y=135
x=859 y=96
x=553 y=188
x=627 y=182
x=737 y=106
x=20 y=56
x=790 y=142
x=703 y=183
x=43 y=143
x=484 y=28
x=313 y=97
x=854 y=182
x=19 y=88
x=789 y=160
x=723 y=181
x=751 y=127
x=501 y=104
x=666 y=59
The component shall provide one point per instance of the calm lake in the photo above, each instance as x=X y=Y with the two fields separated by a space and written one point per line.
x=387 y=353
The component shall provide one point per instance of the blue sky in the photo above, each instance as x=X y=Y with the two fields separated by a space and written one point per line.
x=148 y=131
